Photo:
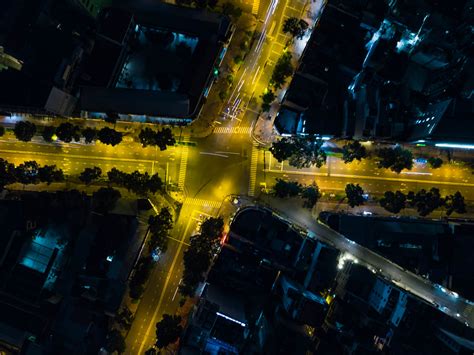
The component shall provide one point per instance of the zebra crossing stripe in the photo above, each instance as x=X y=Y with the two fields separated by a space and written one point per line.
x=183 y=164
x=202 y=203
x=232 y=130
x=253 y=170
x=255 y=7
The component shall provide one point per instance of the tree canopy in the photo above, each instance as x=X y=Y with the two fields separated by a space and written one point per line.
x=109 y=136
x=160 y=227
x=295 y=27
x=48 y=133
x=284 y=188
x=198 y=256
x=435 y=163
x=90 y=134
x=393 y=201
x=455 y=203
x=426 y=201
x=353 y=151
x=24 y=131
x=67 y=132
x=301 y=152
x=395 y=159
x=354 y=195
x=310 y=195
x=168 y=330
x=267 y=98
x=139 y=183
x=161 y=138
x=90 y=174
x=282 y=70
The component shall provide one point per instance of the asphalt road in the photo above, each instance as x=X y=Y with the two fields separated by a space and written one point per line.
x=228 y=162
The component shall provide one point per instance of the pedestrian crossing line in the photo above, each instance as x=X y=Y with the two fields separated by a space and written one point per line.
x=183 y=163
x=232 y=130
x=202 y=203
x=253 y=170
x=255 y=7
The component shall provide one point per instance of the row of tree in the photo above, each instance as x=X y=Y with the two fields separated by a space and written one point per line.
x=198 y=256
x=29 y=172
x=139 y=183
x=67 y=132
x=160 y=227
x=140 y=276
x=161 y=138
x=306 y=151
x=424 y=201
x=310 y=194
x=300 y=151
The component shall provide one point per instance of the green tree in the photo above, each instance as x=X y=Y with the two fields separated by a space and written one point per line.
x=395 y=159
x=125 y=318
x=307 y=152
x=109 y=136
x=295 y=27
x=160 y=226
x=197 y=258
x=435 y=163
x=115 y=341
x=168 y=330
x=165 y=138
x=24 y=131
x=212 y=228
x=89 y=134
x=111 y=117
x=301 y=152
x=48 y=133
x=283 y=149
x=267 y=98
x=354 y=194
x=2 y=131
x=393 y=201
x=455 y=203
x=310 y=195
x=7 y=173
x=427 y=201
x=67 y=132
x=140 y=277
x=353 y=151
x=90 y=174
x=282 y=70
x=105 y=199
x=50 y=173
x=284 y=188
x=162 y=139
x=27 y=173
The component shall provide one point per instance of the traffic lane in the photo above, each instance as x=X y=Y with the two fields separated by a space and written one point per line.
x=168 y=299
x=403 y=278
x=214 y=174
x=369 y=169
x=124 y=150
x=369 y=184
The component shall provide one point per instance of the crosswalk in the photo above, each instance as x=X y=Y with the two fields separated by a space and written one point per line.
x=255 y=7
x=183 y=163
x=253 y=170
x=232 y=130
x=202 y=203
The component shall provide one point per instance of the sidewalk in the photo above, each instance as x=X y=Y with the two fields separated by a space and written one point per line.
x=264 y=132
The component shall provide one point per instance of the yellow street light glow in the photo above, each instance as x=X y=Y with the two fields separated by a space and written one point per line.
x=54 y=137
